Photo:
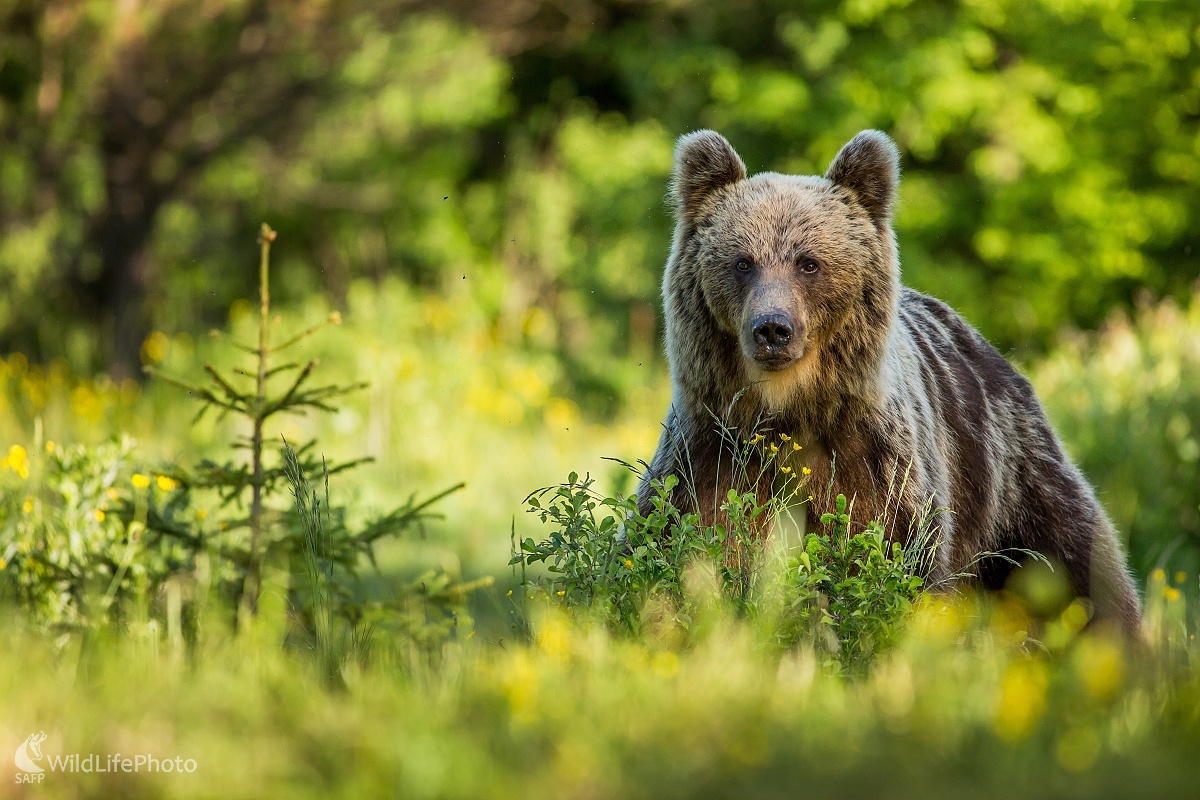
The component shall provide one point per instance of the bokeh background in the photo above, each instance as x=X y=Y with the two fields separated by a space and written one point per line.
x=478 y=188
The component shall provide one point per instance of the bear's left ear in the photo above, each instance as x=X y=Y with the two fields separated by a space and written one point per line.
x=869 y=165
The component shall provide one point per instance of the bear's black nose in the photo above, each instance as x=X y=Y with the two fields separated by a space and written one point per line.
x=772 y=330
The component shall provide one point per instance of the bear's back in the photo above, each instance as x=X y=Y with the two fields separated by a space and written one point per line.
x=984 y=415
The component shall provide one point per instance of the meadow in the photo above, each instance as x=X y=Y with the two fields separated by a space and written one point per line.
x=370 y=533
x=512 y=688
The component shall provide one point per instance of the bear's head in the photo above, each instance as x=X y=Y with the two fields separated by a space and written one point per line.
x=801 y=270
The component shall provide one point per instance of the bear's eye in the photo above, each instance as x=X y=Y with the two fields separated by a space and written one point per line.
x=808 y=265
x=742 y=265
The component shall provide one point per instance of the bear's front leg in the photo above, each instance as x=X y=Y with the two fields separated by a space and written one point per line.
x=707 y=465
x=692 y=458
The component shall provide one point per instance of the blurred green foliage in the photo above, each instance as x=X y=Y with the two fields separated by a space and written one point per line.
x=88 y=543
x=1049 y=147
x=1050 y=156
x=72 y=559
x=479 y=188
x=974 y=701
x=1127 y=403
x=477 y=185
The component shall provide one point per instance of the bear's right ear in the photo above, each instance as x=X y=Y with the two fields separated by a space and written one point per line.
x=704 y=162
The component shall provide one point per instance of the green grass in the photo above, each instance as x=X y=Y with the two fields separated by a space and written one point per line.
x=660 y=668
x=823 y=671
x=958 y=706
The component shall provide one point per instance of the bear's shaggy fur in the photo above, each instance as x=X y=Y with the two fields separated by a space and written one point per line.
x=783 y=300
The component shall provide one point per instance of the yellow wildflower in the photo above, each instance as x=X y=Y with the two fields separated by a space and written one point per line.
x=28 y=506
x=665 y=664
x=785 y=470
x=785 y=437
x=99 y=515
x=561 y=593
x=112 y=494
x=1022 y=700
x=756 y=438
x=139 y=481
x=1158 y=575
x=509 y=594
x=202 y=514
x=154 y=349
x=1078 y=749
x=1180 y=576
x=166 y=484
x=1171 y=593
x=3 y=563
x=1074 y=617
x=629 y=563
x=17 y=460
x=806 y=470
x=51 y=447
x=1100 y=664
x=795 y=446
x=774 y=448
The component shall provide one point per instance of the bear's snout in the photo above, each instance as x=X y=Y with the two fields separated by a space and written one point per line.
x=772 y=330
x=773 y=334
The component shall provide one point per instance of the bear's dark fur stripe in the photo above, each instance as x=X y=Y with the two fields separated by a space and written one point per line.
x=783 y=302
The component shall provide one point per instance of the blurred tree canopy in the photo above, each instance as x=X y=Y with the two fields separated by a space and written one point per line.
x=514 y=155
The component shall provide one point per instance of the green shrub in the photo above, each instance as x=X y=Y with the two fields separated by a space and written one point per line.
x=846 y=593
x=605 y=556
x=73 y=536
x=89 y=540
x=842 y=592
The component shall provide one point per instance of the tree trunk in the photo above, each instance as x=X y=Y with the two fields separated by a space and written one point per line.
x=120 y=237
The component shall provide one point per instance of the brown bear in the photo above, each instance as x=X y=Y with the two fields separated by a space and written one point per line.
x=783 y=301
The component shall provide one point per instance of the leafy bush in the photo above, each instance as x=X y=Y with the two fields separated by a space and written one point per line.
x=615 y=562
x=845 y=593
x=90 y=540
x=850 y=592
x=87 y=538
x=73 y=535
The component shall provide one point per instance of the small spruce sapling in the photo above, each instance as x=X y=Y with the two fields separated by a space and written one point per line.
x=244 y=539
